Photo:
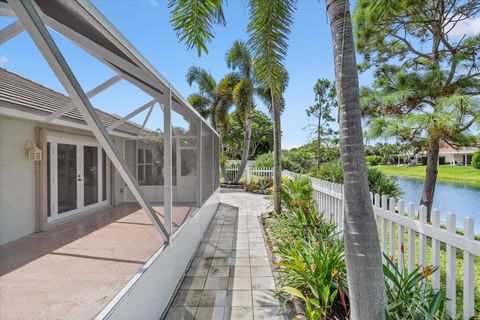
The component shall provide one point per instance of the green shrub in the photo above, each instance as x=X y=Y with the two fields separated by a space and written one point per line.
x=409 y=295
x=378 y=181
x=312 y=262
x=297 y=193
x=312 y=255
x=262 y=185
x=330 y=171
x=310 y=269
x=476 y=160
x=373 y=160
x=264 y=160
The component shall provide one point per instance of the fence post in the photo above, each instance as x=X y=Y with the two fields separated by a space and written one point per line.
x=422 y=244
x=436 y=251
x=392 y=229
x=451 y=268
x=384 y=225
x=247 y=174
x=411 y=239
x=401 y=239
x=468 y=278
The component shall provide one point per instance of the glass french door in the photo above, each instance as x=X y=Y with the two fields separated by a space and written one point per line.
x=77 y=176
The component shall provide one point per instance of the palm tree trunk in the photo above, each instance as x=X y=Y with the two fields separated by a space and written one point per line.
x=431 y=175
x=222 y=164
x=362 y=248
x=277 y=155
x=246 y=147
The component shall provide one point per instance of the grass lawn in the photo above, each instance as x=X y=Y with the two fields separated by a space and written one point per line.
x=468 y=174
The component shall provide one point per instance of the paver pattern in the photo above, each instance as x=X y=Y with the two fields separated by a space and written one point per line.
x=230 y=277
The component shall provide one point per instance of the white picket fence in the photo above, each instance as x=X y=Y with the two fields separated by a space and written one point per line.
x=393 y=227
x=248 y=173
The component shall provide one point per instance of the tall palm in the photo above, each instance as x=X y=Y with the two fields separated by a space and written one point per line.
x=213 y=101
x=270 y=22
x=239 y=58
x=268 y=28
x=362 y=248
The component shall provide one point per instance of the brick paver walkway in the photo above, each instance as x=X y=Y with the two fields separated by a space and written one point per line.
x=230 y=276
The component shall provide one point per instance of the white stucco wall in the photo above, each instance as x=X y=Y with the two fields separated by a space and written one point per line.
x=119 y=184
x=17 y=180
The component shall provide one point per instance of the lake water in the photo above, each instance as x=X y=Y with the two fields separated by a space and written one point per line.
x=459 y=198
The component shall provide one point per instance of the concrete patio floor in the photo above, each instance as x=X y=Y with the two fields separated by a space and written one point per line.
x=230 y=276
x=73 y=270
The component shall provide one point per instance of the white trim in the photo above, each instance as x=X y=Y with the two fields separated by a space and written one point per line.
x=22 y=115
x=79 y=143
x=10 y=31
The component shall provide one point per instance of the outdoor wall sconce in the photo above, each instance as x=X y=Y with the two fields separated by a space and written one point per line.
x=34 y=153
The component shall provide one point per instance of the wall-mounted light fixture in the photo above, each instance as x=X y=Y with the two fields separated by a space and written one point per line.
x=34 y=153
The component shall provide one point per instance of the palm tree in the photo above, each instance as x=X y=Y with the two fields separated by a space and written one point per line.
x=268 y=28
x=239 y=57
x=362 y=247
x=270 y=22
x=213 y=101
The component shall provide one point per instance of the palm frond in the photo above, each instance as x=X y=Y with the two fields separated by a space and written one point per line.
x=193 y=21
x=243 y=96
x=205 y=81
x=201 y=104
x=239 y=57
x=269 y=26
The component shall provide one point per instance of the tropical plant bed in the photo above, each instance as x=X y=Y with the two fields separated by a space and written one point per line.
x=309 y=255
x=295 y=304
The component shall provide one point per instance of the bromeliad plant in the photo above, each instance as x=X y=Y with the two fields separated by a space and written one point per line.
x=263 y=185
x=312 y=255
x=314 y=271
x=409 y=295
x=297 y=193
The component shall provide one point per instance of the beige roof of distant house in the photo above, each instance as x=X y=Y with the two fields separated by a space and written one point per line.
x=461 y=150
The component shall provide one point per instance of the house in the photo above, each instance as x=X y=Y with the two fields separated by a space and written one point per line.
x=99 y=216
x=461 y=156
x=457 y=156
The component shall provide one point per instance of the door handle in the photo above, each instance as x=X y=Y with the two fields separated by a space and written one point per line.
x=79 y=178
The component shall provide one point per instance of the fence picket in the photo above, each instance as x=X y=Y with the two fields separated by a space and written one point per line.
x=411 y=240
x=392 y=229
x=451 y=286
x=377 y=205
x=436 y=251
x=384 y=206
x=401 y=239
x=468 y=278
x=422 y=242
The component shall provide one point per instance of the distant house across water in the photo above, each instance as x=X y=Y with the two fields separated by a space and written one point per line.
x=461 y=156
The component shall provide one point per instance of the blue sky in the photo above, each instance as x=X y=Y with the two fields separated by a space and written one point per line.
x=146 y=24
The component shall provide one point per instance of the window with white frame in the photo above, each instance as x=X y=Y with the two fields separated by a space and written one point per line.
x=144 y=166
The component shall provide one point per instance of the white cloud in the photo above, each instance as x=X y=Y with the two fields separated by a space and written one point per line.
x=3 y=61
x=153 y=3
x=290 y=146
x=467 y=27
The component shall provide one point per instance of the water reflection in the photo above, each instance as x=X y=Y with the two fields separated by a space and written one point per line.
x=459 y=198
